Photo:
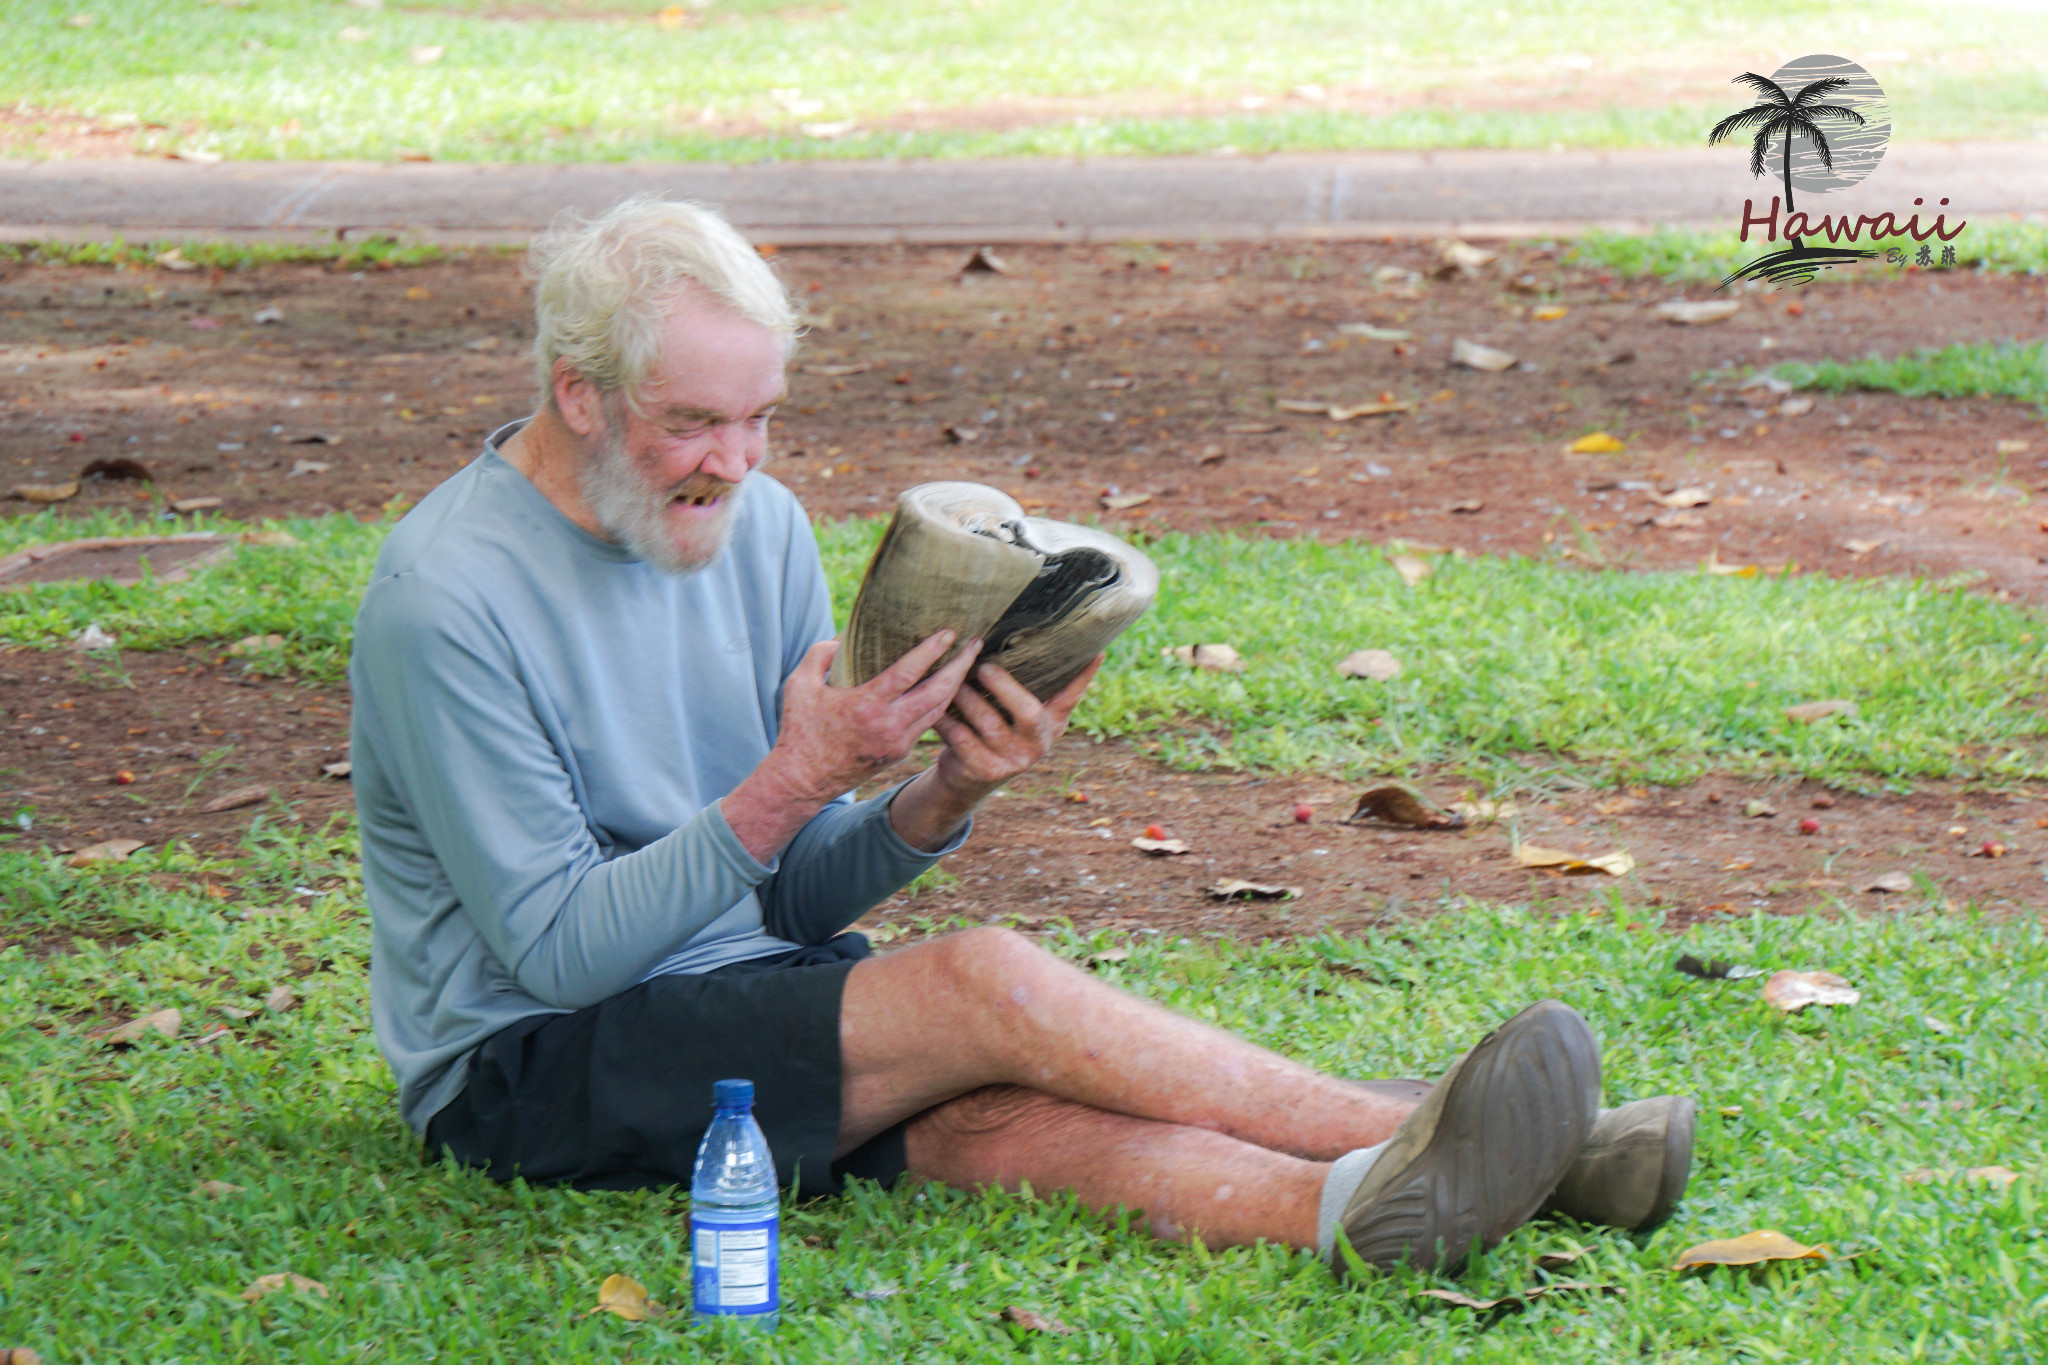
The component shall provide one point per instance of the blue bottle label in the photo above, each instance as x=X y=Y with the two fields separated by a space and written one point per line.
x=733 y=1266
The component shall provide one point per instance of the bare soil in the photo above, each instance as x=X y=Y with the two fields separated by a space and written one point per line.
x=189 y=728
x=1084 y=374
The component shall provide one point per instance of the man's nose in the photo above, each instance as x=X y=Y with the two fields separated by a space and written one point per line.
x=732 y=456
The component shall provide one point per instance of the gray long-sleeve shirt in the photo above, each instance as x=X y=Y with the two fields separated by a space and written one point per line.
x=543 y=727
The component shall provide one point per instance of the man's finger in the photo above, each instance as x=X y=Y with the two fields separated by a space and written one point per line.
x=1067 y=698
x=817 y=660
x=962 y=740
x=987 y=719
x=901 y=676
x=1015 y=698
x=939 y=688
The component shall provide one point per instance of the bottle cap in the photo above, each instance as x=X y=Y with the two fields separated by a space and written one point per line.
x=732 y=1094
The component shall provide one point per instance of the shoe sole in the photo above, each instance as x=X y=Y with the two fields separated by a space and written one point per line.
x=1513 y=1118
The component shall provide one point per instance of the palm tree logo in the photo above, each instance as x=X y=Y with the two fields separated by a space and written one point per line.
x=1786 y=116
x=1785 y=124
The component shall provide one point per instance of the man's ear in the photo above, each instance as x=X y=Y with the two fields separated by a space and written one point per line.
x=577 y=399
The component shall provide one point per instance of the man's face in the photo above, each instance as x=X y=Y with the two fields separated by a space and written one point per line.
x=666 y=481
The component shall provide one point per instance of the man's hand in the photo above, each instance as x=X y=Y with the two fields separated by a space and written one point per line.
x=834 y=738
x=990 y=737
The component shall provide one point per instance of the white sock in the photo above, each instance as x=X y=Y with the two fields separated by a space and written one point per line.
x=1347 y=1173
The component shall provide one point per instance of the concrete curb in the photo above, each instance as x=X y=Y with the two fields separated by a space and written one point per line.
x=1488 y=194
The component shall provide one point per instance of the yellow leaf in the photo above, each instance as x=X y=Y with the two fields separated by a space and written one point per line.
x=1615 y=864
x=270 y=1284
x=1598 y=443
x=1752 y=1248
x=110 y=851
x=165 y=1022
x=1549 y=314
x=626 y=1297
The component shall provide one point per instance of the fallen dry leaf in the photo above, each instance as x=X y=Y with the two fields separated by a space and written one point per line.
x=165 y=1022
x=1862 y=547
x=1890 y=881
x=118 y=468
x=1556 y=1260
x=216 y=1189
x=338 y=770
x=2013 y=447
x=1341 y=413
x=626 y=1297
x=1109 y=955
x=195 y=504
x=1693 y=313
x=1714 y=969
x=982 y=261
x=1685 y=497
x=1035 y=1322
x=1553 y=313
x=426 y=55
x=1209 y=658
x=959 y=435
x=1460 y=258
x=45 y=492
x=1372 y=333
x=1376 y=664
x=1125 y=381
x=837 y=371
x=1677 y=521
x=1476 y=357
x=107 y=851
x=1758 y=810
x=1795 y=407
x=1752 y=1248
x=1486 y=810
x=250 y=644
x=1236 y=888
x=1794 y=991
x=1411 y=569
x=270 y=1284
x=1159 y=848
x=1394 y=804
x=280 y=999
x=1466 y=506
x=1314 y=406
x=20 y=1355
x=1123 y=502
x=1523 y=1299
x=235 y=800
x=301 y=467
x=1251 y=428
x=1615 y=864
x=1808 y=712
x=1598 y=443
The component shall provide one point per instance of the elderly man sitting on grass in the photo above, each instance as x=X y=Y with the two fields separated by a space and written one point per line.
x=610 y=846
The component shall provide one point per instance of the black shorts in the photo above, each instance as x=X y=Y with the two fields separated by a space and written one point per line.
x=617 y=1096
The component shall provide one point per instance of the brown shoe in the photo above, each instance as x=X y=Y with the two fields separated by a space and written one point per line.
x=1484 y=1149
x=1633 y=1169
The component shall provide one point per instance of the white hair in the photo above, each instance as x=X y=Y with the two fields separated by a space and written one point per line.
x=602 y=286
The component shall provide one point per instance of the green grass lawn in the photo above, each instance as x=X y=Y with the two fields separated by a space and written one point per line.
x=547 y=80
x=1996 y=370
x=1509 y=664
x=1811 y=1125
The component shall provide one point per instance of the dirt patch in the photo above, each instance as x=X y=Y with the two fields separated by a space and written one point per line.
x=189 y=728
x=1088 y=373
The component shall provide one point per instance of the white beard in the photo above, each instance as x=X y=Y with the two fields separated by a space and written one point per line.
x=634 y=512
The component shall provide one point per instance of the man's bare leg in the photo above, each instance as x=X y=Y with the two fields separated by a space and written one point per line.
x=1183 y=1181
x=929 y=1023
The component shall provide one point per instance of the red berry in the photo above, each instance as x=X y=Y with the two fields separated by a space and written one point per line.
x=1993 y=849
x=124 y=777
x=1303 y=813
x=1155 y=831
x=1809 y=826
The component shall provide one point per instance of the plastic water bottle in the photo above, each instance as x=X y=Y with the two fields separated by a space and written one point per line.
x=735 y=1237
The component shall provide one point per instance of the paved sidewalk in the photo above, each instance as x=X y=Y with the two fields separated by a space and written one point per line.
x=1329 y=196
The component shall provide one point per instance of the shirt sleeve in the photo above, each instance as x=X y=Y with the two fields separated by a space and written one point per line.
x=841 y=865
x=477 y=773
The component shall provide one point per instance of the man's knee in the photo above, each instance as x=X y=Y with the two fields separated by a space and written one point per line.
x=993 y=963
